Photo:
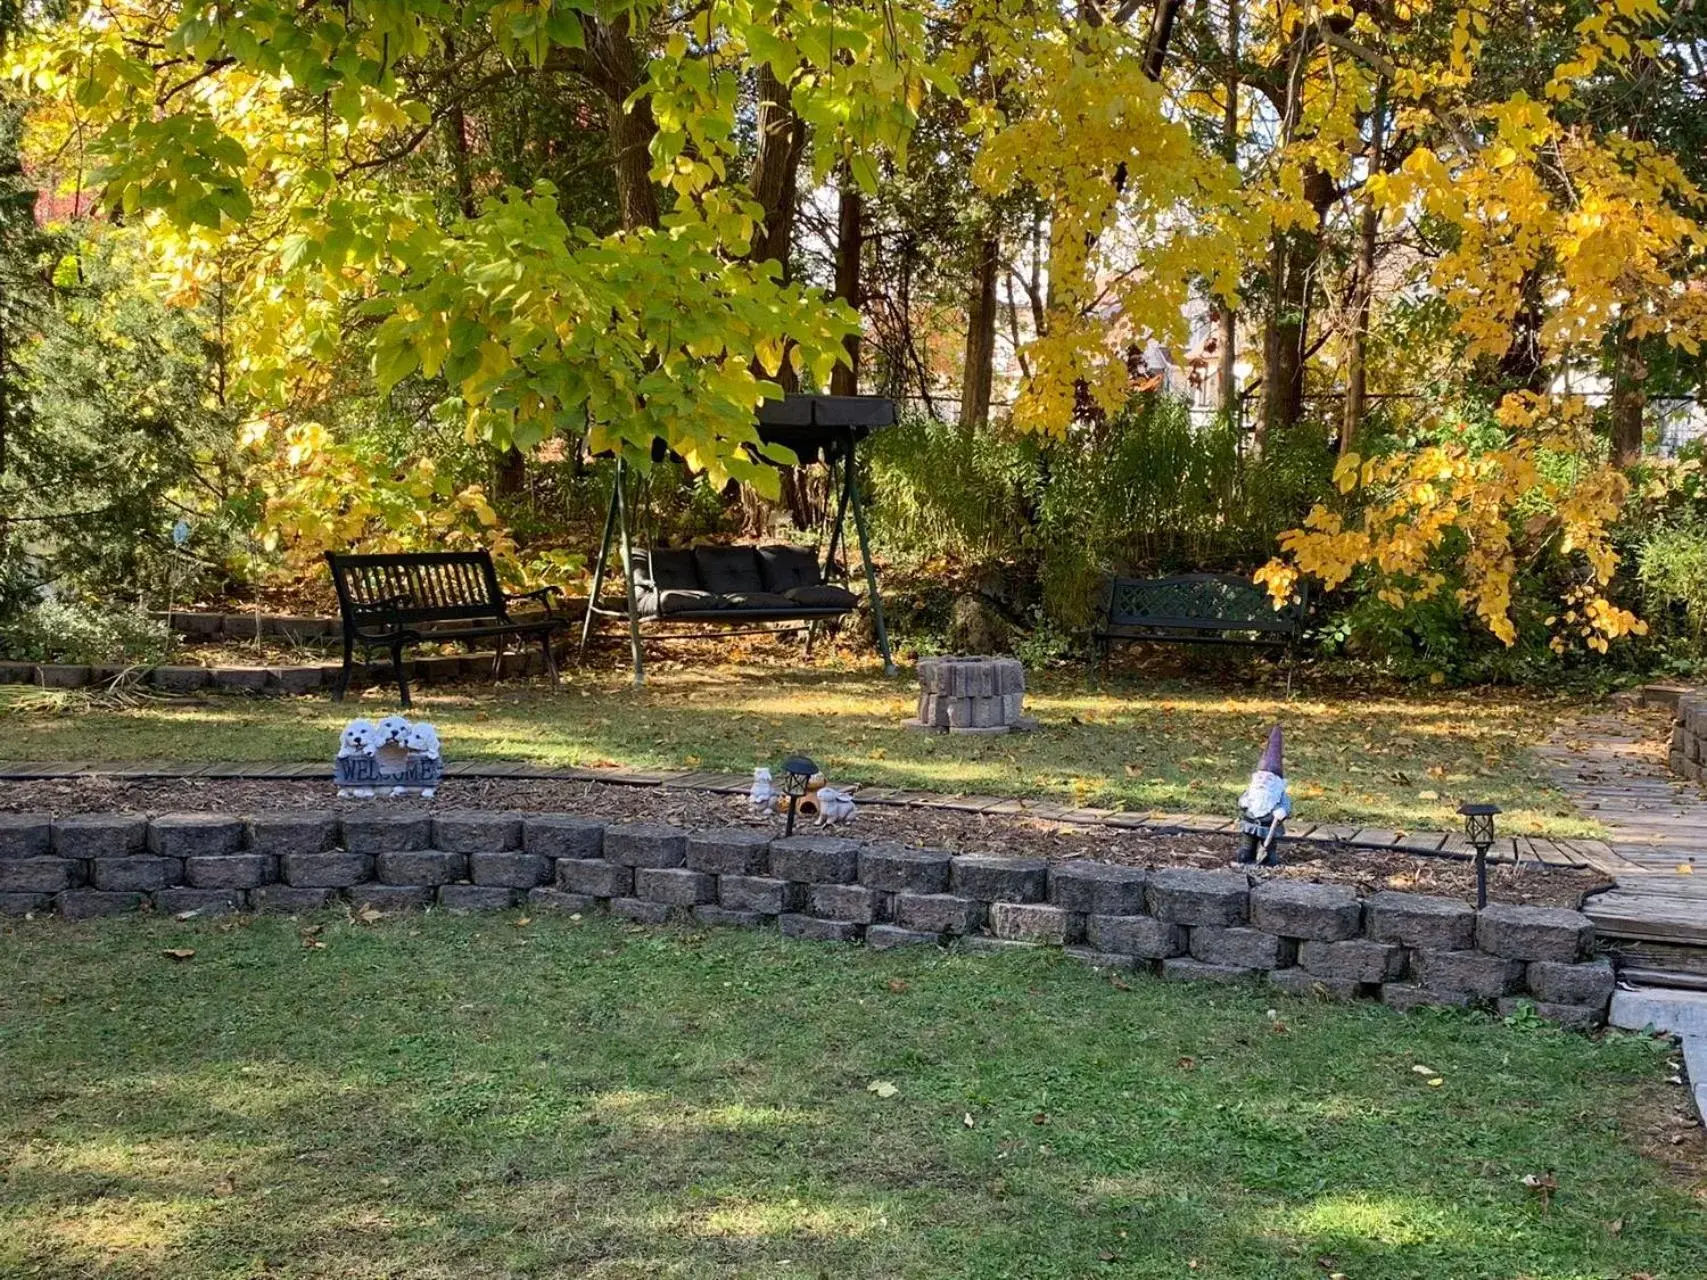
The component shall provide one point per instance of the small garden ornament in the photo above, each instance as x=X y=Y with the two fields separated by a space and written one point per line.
x=395 y=757
x=358 y=740
x=1265 y=806
x=835 y=806
x=764 y=794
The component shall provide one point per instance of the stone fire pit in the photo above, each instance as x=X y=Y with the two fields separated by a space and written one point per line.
x=971 y=695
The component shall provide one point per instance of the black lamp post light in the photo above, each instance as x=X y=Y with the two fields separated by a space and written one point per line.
x=1479 y=831
x=797 y=774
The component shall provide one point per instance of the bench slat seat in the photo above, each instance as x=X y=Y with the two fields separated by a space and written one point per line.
x=1196 y=608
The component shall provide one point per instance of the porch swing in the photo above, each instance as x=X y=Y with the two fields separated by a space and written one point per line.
x=743 y=590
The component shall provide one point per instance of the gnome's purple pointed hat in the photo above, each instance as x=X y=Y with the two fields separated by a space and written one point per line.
x=1270 y=762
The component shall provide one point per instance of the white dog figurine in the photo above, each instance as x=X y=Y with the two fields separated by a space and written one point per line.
x=763 y=795
x=423 y=739
x=392 y=731
x=835 y=806
x=359 y=739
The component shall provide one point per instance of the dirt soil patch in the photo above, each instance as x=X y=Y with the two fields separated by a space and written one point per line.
x=1368 y=870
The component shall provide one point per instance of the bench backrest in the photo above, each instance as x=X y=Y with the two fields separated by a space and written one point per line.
x=1200 y=602
x=416 y=586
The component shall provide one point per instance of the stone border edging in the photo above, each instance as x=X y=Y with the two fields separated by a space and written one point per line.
x=1688 y=754
x=1407 y=950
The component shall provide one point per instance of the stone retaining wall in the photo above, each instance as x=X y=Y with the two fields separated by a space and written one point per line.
x=1213 y=926
x=448 y=669
x=1689 y=737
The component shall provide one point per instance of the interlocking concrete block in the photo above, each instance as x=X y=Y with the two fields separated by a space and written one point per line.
x=1318 y=912
x=19 y=673
x=25 y=904
x=86 y=904
x=1573 y=1017
x=64 y=675
x=729 y=851
x=980 y=943
x=990 y=877
x=1680 y=1013
x=762 y=894
x=714 y=916
x=1533 y=933
x=1419 y=920
x=1035 y=922
x=1472 y=973
x=882 y=937
x=1217 y=898
x=387 y=832
x=1240 y=947
x=25 y=835
x=1300 y=982
x=1354 y=960
x=675 y=885
x=894 y=868
x=179 y=679
x=38 y=875
x=333 y=870
x=476 y=831
x=476 y=897
x=1098 y=888
x=1144 y=936
x=939 y=913
x=852 y=902
x=646 y=844
x=137 y=874
x=1102 y=959
x=393 y=897
x=1184 y=969
x=1554 y=982
x=563 y=835
x=571 y=904
x=286 y=831
x=812 y=929
x=640 y=911
x=509 y=870
x=288 y=899
x=815 y=859
x=240 y=679
x=596 y=877
x=296 y=680
x=424 y=866
x=193 y=835
x=99 y=835
x=198 y=902
x=230 y=871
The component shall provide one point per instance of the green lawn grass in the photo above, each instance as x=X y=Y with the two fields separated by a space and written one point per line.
x=1389 y=759
x=478 y=1097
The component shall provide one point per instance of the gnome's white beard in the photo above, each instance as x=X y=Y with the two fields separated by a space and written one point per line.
x=1265 y=796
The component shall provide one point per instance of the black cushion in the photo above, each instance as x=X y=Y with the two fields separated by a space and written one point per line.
x=661 y=604
x=768 y=600
x=784 y=568
x=665 y=569
x=821 y=596
x=728 y=570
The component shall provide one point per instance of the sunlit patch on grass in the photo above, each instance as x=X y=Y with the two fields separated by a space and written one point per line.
x=1377 y=1219
x=792 y=1219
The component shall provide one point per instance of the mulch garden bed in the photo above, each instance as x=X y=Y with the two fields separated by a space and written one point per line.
x=1368 y=870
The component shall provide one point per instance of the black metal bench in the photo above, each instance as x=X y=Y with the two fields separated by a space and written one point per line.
x=389 y=601
x=1197 y=608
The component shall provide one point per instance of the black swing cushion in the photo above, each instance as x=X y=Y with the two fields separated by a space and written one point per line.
x=822 y=595
x=785 y=568
x=777 y=581
x=728 y=571
x=666 y=583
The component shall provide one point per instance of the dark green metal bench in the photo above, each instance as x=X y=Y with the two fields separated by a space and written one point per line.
x=1197 y=608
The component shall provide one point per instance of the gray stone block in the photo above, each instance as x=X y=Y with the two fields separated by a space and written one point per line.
x=25 y=835
x=894 y=868
x=230 y=871
x=1098 y=888
x=939 y=913
x=1554 y=982
x=1533 y=933
x=39 y=875
x=1295 y=909
x=1185 y=969
x=815 y=859
x=393 y=897
x=1101 y=959
x=25 y=904
x=760 y=893
x=476 y=831
x=1217 y=898
x=1472 y=973
x=179 y=679
x=1573 y=1017
x=714 y=916
x=425 y=866
x=86 y=904
x=296 y=680
x=729 y=851
x=1240 y=947
x=287 y=899
x=195 y=835
x=595 y=877
x=548 y=899
x=509 y=870
x=284 y=831
x=989 y=877
x=1300 y=982
x=1144 y=936
x=99 y=835
x=325 y=870
x=1354 y=960
x=387 y=832
x=1035 y=922
x=979 y=943
x=476 y=897
x=18 y=673
x=563 y=835
x=63 y=675
x=646 y=844
x=812 y=929
x=1419 y=920
x=852 y=902
x=641 y=912
x=239 y=679
x=140 y=874
x=881 y=937
x=675 y=885
x=199 y=902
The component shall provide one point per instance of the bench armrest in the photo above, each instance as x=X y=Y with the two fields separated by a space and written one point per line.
x=543 y=595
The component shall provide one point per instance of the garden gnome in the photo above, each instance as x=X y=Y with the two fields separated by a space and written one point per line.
x=1265 y=806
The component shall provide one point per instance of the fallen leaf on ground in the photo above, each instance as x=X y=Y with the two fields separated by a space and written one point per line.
x=368 y=915
x=178 y=953
x=882 y=1088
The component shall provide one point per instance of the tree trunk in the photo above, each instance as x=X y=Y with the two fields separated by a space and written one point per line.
x=1293 y=266
x=1357 y=365
x=616 y=71
x=1629 y=401
x=850 y=240
x=1227 y=378
x=782 y=138
x=979 y=370
x=455 y=133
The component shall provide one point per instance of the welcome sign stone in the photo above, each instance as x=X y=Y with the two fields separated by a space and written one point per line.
x=394 y=758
